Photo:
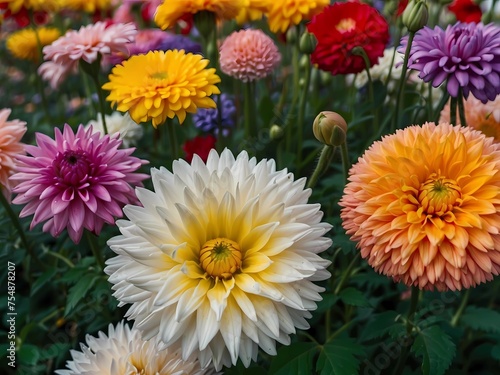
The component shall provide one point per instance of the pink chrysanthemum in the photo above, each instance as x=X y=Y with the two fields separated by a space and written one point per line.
x=76 y=181
x=248 y=55
x=466 y=56
x=86 y=44
x=11 y=147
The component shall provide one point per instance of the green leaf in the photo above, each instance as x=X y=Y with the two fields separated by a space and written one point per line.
x=295 y=359
x=481 y=318
x=380 y=325
x=28 y=354
x=436 y=349
x=42 y=280
x=352 y=296
x=79 y=290
x=339 y=357
x=495 y=352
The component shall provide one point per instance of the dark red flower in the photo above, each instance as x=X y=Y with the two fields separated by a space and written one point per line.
x=199 y=145
x=341 y=27
x=401 y=7
x=466 y=11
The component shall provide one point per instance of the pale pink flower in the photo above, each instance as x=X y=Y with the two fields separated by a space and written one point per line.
x=11 y=147
x=76 y=181
x=248 y=55
x=86 y=44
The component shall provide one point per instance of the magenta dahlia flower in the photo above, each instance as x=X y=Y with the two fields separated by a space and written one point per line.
x=76 y=181
x=465 y=55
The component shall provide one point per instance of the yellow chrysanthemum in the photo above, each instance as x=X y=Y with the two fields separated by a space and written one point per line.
x=162 y=84
x=89 y=6
x=23 y=44
x=47 y=5
x=170 y=11
x=284 y=13
x=252 y=10
x=424 y=206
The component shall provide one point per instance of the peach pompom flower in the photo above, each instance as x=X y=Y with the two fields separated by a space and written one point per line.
x=11 y=133
x=248 y=55
x=89 y=43
x=282 y=14
x=480 y=116
x=424 y=206
x=168 y=12
x=161 y=85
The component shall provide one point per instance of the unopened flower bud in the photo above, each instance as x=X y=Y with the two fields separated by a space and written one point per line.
x=307 y=43
x=330 y=128
x=415 y=15
x=291 y=35
x=275 y=132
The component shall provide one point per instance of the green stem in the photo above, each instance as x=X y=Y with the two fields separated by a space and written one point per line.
x=488 y=17
x=360 y=51
x=346 y=165
x=61 y=257
x=324 y=161
x=95 y=249
x=172 y=138
x=461 y=308
x=461 y=108
x=415 y=294
x=300 y=121
x=38 y=79
x=453 y=111
x=15 y=221
x=93 y=71
x=295 y=90
x=346 y=275
x=401 y=83
x=248 y=106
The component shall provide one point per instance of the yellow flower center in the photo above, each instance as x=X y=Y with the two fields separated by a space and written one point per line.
x=345 y=25
x=438 y=195
x=159 y=75
x=220 y=258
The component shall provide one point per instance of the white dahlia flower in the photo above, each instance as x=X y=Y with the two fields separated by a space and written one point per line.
x=130 y=132
x=221 y=258
x=123 y=351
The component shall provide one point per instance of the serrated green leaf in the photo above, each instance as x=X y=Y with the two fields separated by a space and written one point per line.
x=295 y=359
x=42 y=280
x=352 y=296
x=436 y=349
x=380 y=325
x=79 y=290
x=339 y=357
x=481 y=318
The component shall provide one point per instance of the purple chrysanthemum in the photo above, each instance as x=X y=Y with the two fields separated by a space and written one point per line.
x=206 y=119
x=76 y=181
x=465 y=55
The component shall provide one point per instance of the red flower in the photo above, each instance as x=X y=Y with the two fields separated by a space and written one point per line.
x=401 y=7
x=466 y=11
x=341 y=27
x=199 y=145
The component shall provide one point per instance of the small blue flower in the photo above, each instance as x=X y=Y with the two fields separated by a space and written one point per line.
x=207 y=119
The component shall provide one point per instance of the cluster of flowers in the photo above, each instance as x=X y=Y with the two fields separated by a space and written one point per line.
x=222 y=256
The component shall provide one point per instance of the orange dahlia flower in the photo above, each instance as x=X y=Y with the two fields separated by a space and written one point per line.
x=282 y=14
x=169 y=11
x=424 y=206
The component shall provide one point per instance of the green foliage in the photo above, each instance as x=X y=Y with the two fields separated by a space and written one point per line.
x=435 y=348
x=481 y=318
x=339 y=357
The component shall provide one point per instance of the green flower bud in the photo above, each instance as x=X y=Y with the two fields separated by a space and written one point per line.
x=330 y=128
x=275 y=132
x=415 y=15
x=291 y=35
x=307 y=43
